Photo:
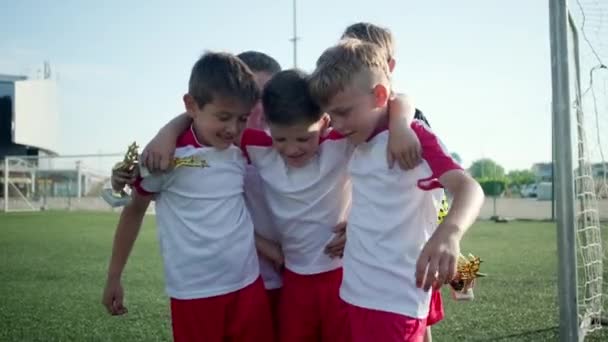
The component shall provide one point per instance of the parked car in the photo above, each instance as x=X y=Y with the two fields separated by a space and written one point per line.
x=530 y=190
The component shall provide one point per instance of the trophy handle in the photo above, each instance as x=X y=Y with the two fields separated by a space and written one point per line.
x=115 y=199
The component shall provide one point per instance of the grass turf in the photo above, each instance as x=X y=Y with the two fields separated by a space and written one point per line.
x=52 y=272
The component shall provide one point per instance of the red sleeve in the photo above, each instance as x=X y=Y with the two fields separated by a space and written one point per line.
x=438 y=158
x=254 y=137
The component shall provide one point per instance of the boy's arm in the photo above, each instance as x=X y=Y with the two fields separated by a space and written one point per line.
x=466 y=203
x=158 y=154
x=437 y=262
x=403 y=144
x=440 y=254
x=126 y=233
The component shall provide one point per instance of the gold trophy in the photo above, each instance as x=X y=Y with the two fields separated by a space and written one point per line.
x=120 y=197
x=130 y=163
x=464 y=282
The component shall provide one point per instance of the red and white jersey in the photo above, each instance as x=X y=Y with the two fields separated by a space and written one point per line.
x=392 y=216
x=306 y=202
x=262 y=223
x=205 y=231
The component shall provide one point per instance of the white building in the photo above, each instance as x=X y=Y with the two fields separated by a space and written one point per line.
x=29 y=116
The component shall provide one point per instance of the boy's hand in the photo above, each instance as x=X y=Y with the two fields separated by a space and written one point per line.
x=271 y=251
x=121 y=178
x=113 y=296
x=335 y=248
x=275 y=254
x=437 y=261
x=404 y=148
x=158 y=154
x=403 y=144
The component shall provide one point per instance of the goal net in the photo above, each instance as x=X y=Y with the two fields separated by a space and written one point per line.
x=588 y=57
x=55 y=182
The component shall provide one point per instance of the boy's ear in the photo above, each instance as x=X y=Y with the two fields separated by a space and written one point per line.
x=190 y=104
x=381 y=95
x=325 y=124
x=391 y=64
x=326 y=121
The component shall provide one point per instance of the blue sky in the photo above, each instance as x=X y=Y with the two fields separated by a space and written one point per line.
x=480 y=70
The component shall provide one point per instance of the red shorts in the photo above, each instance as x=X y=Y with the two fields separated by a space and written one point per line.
x=274 y=296
x=436 y=313
x=368 y=325
x=310 y=307
x=243 y=315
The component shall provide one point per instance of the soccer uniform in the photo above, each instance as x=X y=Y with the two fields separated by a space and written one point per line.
x=207 y=244
x=306 y=203
x=392 y=216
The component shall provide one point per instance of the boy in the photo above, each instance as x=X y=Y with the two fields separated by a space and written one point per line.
x=263 y=67
x=390 y=261
x=382 y=37
x=307 y=191
x=205 y=231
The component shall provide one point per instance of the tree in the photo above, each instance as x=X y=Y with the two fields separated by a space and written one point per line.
x=487 y=169
x=493 y=188
x=521 y=177
x=491 y=177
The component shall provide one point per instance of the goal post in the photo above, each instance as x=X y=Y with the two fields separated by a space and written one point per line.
x=563 y=177
x=580 y=115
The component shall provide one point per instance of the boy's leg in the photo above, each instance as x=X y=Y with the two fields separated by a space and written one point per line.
x=199 y=319
x=298 y=309
x=248 y=315
x=428 y=337
x=367 y=325
x=333 y=309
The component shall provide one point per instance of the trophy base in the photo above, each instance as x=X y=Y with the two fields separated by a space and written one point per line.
x=114 y=199
x=467 y=295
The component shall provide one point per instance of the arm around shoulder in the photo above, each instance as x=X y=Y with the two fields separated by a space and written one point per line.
x=158 y=154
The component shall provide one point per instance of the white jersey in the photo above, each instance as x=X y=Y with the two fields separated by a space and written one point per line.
x=306 y=202
x=205 y=231
x=392 y=216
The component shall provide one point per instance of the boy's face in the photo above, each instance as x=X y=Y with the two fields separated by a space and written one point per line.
x=256 y=118
x=354 y=113
x=218 y=123
x=298 y=143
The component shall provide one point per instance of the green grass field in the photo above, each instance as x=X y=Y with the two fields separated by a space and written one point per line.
x=52 y=272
